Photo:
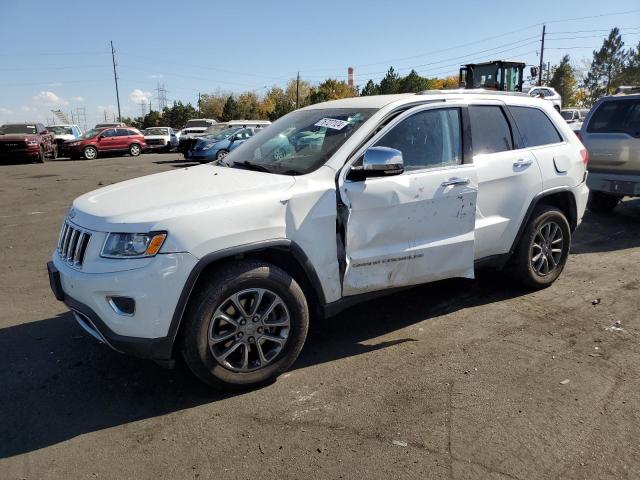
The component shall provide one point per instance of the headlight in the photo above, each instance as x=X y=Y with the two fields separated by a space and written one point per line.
x=74 y=144
x=132 y=245
x=32 y=143
x=207 y=146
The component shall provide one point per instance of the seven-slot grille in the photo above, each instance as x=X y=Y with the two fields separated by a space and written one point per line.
x=155 y=141
x=72 y=244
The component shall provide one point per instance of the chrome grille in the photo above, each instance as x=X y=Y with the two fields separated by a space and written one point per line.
x=72 y=244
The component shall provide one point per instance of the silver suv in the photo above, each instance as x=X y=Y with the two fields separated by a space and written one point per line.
x=611 y=133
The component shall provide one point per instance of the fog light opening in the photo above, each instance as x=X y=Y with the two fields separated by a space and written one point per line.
x=122 y=305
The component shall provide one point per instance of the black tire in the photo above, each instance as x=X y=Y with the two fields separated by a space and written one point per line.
x=221 y=154
x=600 y=202
x=523 y=267
x=213 y=292
x=90 y=153
x=135 y=150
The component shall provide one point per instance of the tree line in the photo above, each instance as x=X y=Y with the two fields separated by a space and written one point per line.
x=611 y=66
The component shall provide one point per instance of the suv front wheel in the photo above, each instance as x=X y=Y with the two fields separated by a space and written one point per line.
x=90 y=153
x=245 y=325
x=543 y=249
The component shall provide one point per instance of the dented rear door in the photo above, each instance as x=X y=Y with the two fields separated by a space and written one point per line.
x=418 y=226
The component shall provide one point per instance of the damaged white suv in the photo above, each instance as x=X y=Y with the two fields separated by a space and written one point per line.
x=226 y=263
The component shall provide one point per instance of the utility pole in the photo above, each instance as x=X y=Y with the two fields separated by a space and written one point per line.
x=198 y=104
x=544 y=28
x=105 y=116
x=115 y=77
x=298 y=91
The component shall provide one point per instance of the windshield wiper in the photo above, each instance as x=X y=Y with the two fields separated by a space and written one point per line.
x=252 y=166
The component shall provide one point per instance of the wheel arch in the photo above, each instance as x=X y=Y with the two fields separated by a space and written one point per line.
x=562 y=198
x=283 y=253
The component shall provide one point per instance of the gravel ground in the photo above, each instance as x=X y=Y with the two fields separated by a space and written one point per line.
x=458 y=379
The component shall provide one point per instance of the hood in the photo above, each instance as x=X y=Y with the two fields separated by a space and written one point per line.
x=202 y=141
x=152 y=202
x=65 y=136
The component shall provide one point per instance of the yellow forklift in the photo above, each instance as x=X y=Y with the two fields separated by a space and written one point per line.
x=501 y=75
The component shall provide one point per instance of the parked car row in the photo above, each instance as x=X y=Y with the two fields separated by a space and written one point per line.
x=190 y=134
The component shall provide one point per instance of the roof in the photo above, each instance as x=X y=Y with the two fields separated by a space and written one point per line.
x=372 y=101
x=380 y=101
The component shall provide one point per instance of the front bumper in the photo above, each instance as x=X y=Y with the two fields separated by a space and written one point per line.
x=19 y=154
x=201 y=155
x=155 y=289
x=614 y=183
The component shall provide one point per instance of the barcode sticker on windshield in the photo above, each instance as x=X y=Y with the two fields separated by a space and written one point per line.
x=331 y=123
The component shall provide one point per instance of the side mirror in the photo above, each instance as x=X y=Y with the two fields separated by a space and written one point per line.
x=382 y=161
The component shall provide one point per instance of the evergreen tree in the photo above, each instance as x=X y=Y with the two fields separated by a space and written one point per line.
x=563 y=80
x=390 y=83
x=370 y=89
x=606 y=67
x=230 y=109
x=413 y=83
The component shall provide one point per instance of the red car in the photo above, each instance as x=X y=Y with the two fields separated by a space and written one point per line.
x=99 y=141
x=31 y=141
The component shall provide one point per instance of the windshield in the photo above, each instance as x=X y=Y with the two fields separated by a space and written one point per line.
x=92 y=133
x=60 y=130
x=223 y=134
x=156 y=131
x=216 y=128
x=198 y=123
x=299 y=142
x=19 y=128
x=567 y=114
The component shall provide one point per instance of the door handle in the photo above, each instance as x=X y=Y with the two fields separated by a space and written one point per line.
x=455 y=181
x=522 y=162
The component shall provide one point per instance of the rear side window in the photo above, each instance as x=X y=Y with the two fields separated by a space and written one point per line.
x=122 y=132
x=535 y=127
x=490 y=131
x=620 y=116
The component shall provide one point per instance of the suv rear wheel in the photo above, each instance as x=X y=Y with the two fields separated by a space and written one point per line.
x=134 y=150
x=543 y=249
x=600 y=202
x=245 y=325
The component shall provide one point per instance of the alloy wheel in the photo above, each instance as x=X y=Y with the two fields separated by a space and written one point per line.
x=249 y=330
x=547 y=248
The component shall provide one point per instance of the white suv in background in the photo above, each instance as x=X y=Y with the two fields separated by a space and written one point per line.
x=548 y=94
x=225 y=264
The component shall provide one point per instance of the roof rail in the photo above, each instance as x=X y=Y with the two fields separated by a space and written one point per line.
x=472 y=91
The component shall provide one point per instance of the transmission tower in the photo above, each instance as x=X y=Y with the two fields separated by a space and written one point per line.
x=81 y=118
x=161 y=94
x=143 y=109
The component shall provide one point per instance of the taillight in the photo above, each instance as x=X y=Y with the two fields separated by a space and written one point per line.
x=585 y=156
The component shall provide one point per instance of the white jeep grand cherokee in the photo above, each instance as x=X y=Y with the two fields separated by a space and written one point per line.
x=226 y=264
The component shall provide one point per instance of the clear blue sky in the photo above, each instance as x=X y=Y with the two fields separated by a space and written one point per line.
x=57 y=55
